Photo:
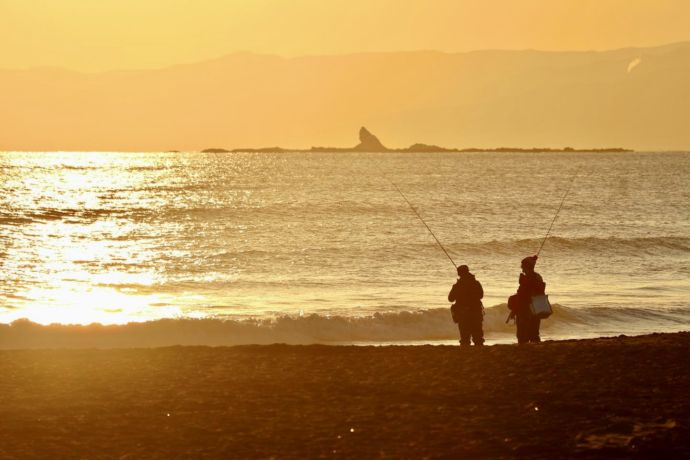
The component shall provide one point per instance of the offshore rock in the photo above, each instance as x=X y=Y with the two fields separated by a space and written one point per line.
x=368 y=142
x=215 y=150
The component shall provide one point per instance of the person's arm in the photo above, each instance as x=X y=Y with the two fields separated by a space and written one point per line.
x=539 y=285
x=522 y=285
x=451 y=294
x=480 y=290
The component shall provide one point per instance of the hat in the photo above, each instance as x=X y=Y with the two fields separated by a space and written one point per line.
x=530 y=261
x=463 y=269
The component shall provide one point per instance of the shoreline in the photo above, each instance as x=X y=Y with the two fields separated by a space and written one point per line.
x=595 y=398
x=422 y=328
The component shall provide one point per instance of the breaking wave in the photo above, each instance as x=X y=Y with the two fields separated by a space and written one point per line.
x=412 y=327
x=599 y=245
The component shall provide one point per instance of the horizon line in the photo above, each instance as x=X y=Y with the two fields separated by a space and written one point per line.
x=297 y=150
x=39 y=67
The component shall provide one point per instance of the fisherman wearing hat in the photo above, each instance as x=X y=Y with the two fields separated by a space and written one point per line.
x=467 y=311
x=531 y=284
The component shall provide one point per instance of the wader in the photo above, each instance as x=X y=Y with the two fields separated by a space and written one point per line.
x=470 y=325
x=527 y=327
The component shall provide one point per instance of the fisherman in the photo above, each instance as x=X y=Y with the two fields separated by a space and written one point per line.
x=531 y=284
x=467 y=311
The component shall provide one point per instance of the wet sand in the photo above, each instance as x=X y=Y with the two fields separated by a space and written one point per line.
x=611 y=398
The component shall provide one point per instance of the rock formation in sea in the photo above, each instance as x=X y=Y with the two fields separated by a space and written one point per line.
x=215 y=150
x=368 y=142
x=424 y=148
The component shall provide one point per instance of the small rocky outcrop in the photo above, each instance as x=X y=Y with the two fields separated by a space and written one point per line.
x=368 y=142
x=215 y=150
x=426 y=148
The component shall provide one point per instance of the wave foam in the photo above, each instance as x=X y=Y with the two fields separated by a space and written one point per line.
x=425 y=325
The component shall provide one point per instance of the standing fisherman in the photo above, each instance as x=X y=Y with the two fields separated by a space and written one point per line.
x=530 y=294
x=531 y=284
x=467 y=293
x=468 y=310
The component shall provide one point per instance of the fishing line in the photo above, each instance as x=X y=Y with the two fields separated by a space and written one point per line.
x=572 y=181
x=420 y=218
x=511 y=315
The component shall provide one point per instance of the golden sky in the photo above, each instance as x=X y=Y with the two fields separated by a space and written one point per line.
x=119 y=34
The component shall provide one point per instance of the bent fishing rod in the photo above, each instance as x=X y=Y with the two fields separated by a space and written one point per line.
x=572 y=181
x=425 y=224
x=511 y=315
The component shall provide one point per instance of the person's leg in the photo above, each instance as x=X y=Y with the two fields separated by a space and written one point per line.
x=522 y=323
x=465 y=327
x=534 y=335
x=477 y=330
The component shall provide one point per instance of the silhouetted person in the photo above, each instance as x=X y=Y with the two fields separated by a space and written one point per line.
x=531 y=284
x=468 y=310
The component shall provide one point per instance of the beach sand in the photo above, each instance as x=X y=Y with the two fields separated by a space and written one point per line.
x=617 y=397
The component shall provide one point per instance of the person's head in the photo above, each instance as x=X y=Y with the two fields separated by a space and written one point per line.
x=528 y=264
x=463 y=270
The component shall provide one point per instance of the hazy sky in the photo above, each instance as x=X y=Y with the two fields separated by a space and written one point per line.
x=115 y=34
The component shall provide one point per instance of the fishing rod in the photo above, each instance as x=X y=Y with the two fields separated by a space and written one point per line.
x=572 y=181
x=511 y=315
x=427 y=227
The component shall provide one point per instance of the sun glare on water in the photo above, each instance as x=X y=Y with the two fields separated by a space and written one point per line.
x=72 y=305
x=78 y=260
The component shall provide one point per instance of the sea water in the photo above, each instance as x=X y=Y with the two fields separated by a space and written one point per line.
x=320 y=247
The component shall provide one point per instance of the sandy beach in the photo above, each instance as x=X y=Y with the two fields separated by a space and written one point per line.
x=611 y=397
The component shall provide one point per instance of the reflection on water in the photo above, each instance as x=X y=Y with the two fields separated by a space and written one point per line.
x=66 y=243
x=77 y=304
x=120 y=237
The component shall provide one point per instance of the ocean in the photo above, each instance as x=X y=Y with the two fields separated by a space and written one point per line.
x=234 y=248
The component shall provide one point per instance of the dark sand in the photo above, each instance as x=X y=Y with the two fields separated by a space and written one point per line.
x=614 y=398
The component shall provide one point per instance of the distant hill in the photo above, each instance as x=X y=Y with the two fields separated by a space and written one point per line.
x=634 y=97
x=368 y=142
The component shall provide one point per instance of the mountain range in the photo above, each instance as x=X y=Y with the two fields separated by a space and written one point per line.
x=634 y=98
